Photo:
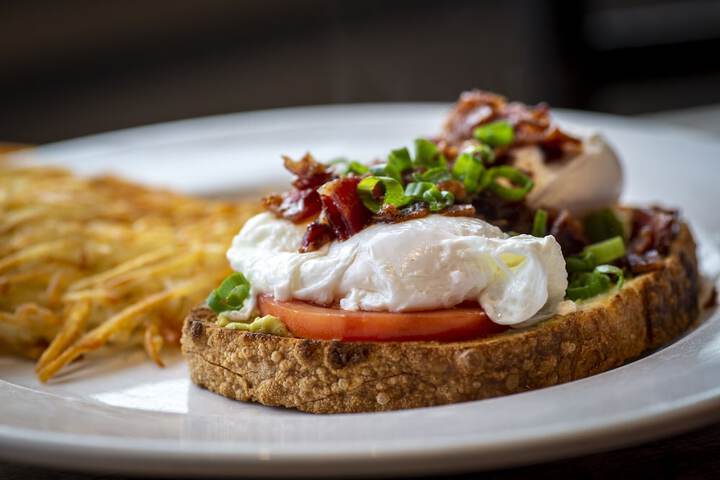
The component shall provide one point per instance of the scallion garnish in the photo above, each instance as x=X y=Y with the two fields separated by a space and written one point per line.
x=520 y=184
x=602 y=225
x=612 y=270
x=378 y=191
x=357 y=168
x=429 y=193
x=495 y=134
x=433 y=175
x=586 y=285
x=469 y=170
x=427 y=154
x=607 y=251
x=539 y=228
x=231 y=294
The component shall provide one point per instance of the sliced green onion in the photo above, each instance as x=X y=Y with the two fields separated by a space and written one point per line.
x=539 y=228
x=427 y=154
x=433 y=175
x=356 y=168
x=522 y=184
x=469 y=170
x=231 y=294
x=438 y=199
x=607 y=251
x=585 y=262
x=372 y=189
x=429 y=193
x=416 y=189
x=400 y=159
x=602 y=225
x=587 y=285
x=612 y=270
x=495 y=134
x=483 y=153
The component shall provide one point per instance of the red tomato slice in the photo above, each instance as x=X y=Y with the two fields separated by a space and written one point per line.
x=305 y=320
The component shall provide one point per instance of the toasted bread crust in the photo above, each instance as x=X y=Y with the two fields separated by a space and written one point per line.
x=322 y=376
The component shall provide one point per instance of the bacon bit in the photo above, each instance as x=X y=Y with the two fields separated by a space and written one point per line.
x=393 y=214
x=653 y=229
x=309 y=172
x=455 y=187
x=644 y=263
x=345 y=212
x=316 y=235
x=568 y=232
x=459 y=210
x=712 y=299
x=508 y=216
x=533 y=125
x=295 y=205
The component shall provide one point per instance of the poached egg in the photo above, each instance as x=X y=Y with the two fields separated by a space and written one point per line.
x=436 y=262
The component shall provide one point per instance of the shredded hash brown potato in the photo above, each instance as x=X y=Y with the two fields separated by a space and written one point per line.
x=86 y=263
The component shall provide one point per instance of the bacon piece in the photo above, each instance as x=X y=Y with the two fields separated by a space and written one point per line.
x=508 y=216
x=459 y=210
x=456 y=187
x=295 y=205
x=317 y=234
x=568 y=232
x=393 y=214
x=345 y=212
x=533 y=125
x=653 y=229
x=309 y=172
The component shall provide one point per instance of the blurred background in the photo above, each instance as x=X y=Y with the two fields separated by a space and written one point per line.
x=75 y=67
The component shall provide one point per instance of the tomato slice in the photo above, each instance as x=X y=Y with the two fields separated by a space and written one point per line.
x=306 y=320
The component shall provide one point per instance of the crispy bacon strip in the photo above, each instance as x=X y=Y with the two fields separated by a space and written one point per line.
x=295 y=205
x=653 y=230
x=345 y=212
x=533 y=125
x=309 y=173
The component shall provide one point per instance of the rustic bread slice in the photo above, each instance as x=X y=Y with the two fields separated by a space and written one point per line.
x=333 y=376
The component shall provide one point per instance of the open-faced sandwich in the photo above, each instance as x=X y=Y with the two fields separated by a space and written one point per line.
x=490 y=260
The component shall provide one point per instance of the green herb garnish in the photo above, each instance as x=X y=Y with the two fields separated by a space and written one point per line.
x=520 y=184
x=539 y=228
x=602 y=225
x=231 y=294
x=377 y=191
x=495 y=134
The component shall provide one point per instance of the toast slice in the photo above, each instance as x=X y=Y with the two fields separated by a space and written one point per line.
x=321 y=376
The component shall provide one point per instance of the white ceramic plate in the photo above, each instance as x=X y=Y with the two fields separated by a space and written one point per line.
x=127 y=415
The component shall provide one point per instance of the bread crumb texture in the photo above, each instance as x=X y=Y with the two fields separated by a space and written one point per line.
x=321 y=376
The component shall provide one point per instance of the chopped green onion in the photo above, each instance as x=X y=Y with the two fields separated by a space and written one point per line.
x=429 y=193
x=587 y=285
x=372 y=189
x=483 y=153
x=584 y=262
x=416 y=189
x=470 y=170
x=602 y=225
x=400 y=159
x=539 y=228
x=357 y=168
x=522 y=184
x=433 y=175
x=231 y=294
x=427 y=154
x=438 y=199
x=607 y=251
x=613 y=270
x=495 y=134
